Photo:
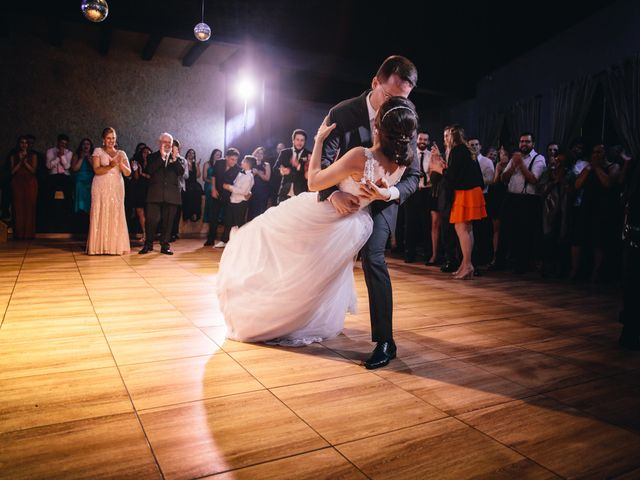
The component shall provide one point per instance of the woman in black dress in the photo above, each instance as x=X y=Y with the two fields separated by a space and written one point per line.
x=192 y=196
x=139 y=184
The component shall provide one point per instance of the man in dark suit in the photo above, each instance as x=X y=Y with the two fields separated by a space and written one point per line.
x=354 y=119
x=291 y=164
x=163 y=195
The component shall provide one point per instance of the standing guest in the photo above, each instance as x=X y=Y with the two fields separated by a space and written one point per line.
x=482 y=228
x=42 y=173
x=59 y=180
x=163 y=196
x=24 y=186
x=495 y=208
x=261 y=190
x=192 y=197
x=418 y=218
x=599 y=206
x=108 y=232
x=5 y=181
x=182 y=183
x=140 y=186
x=465 y=177
x=276 y=178
x=130 y=191
x=557 y=195
x=443 y=194
x=236 y=215
x=223 y=172
x=82 y=168
x=577 y=148
x=523 y=217
x=207 y=177
x=291 y=164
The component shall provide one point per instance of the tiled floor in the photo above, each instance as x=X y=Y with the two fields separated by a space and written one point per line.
x=117 y=367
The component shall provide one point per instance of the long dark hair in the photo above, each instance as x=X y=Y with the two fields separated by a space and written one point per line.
x=79 y=149
x=397 y=122
x=213 y=154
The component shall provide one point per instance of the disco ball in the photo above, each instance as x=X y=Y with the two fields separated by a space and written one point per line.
x=202 y=31
x=94 y=10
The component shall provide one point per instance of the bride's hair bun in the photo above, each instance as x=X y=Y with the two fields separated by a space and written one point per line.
x=397 y=123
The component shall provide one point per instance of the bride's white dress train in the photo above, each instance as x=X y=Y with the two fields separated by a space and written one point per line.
x=286 y=277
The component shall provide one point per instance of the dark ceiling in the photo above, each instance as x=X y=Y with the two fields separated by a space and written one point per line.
x=453 y=44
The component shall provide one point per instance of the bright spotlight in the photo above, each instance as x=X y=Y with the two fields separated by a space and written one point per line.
x=246 y=89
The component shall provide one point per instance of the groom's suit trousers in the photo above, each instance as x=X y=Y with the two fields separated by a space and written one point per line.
x=376 y=276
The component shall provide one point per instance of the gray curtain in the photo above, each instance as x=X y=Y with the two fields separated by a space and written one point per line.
x=523 y=116
x=622 y=94
x=489 y=126
x=570 y=104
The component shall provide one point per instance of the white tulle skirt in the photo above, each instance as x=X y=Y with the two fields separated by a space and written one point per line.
x=286 y=277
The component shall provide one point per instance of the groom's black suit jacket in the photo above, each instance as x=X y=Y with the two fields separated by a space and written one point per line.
x=163 y=184
x=354 y=130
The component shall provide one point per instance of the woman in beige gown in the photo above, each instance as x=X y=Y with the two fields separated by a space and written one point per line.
x=108 y=234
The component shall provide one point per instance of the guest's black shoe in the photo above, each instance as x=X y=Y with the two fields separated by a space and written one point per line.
x=208 y=243
x=382 y=355
x=166 y=251
x=145 y=249
x=173 y=238
x=449 y=267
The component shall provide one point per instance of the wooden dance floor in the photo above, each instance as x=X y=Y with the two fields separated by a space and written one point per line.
x=116 y=367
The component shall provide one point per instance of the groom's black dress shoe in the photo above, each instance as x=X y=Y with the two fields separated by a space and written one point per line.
x=145 y=249
x=166 y=251
x=382 y=354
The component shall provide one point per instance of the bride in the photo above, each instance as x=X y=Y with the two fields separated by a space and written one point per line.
x=287 y=276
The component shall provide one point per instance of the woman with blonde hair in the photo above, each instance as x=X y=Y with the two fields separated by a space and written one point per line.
x=108 y=234
x=463 y=173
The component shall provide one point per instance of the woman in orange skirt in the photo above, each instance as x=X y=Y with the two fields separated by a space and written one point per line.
x=463 y=173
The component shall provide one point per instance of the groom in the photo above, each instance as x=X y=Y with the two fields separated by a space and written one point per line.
x=397 y=76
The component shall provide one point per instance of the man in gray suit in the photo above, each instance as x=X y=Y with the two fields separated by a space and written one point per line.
x=397 y=76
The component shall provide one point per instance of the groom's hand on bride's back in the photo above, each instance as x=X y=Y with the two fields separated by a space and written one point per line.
x=344 y=202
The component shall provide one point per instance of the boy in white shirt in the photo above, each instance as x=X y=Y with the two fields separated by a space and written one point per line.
x=236 y=214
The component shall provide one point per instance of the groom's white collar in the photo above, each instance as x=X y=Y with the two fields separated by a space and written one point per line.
x=372 y=112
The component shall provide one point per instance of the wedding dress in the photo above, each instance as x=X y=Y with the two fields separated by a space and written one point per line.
x=286 y=277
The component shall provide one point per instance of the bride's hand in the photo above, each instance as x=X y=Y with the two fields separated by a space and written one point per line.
x=373 y=191
x=324 y=130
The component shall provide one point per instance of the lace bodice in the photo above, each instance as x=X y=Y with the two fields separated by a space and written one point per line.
x=372 y=171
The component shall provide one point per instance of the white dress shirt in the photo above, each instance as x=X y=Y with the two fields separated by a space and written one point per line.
x=241 y=187
x=517 y=182
x=488 y=170
x=58 y=164
x=426 y=162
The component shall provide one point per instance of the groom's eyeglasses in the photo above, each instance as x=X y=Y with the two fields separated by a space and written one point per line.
x=387 y=95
